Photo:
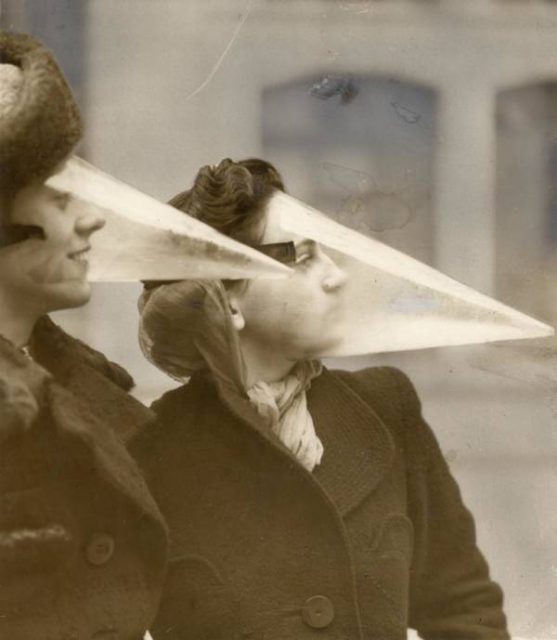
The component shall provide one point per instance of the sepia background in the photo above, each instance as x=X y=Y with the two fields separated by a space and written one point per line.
x=430 y=125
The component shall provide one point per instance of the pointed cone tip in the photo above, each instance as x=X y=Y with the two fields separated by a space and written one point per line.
x=393 y=302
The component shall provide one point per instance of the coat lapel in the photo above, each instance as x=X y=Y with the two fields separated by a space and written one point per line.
x=90 y=376
x=59 y=353
x=243 y=409
x=359 y=449
x=100 y=448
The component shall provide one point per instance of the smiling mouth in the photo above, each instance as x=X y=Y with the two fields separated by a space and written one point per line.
x=79 y=256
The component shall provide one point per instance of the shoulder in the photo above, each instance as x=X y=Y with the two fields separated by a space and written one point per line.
x=382 y=386
x=100 y=387
x=184 y=399
x=176 y=413
x=391 y=395
x=59 y=352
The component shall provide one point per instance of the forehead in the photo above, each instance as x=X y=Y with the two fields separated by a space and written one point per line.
x=274 y=232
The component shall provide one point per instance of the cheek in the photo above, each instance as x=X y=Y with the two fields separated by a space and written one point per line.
x=282 y=306
x=305 y=298
x=58 y=231
x=44 y=256
x=10 y=268
x=40 y=262
x=264 y=303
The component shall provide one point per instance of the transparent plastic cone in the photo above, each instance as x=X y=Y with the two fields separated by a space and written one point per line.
x=392 y=302
x=144 y=239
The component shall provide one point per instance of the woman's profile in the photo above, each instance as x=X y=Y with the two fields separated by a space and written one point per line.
x=300 y=501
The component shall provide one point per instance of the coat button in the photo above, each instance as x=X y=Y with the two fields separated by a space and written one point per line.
x=318 y=612
x=99 y=549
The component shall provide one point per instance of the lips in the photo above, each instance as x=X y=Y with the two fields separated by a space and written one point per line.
x=80 y=255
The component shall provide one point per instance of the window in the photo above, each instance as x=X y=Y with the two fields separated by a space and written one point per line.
x=359 y=148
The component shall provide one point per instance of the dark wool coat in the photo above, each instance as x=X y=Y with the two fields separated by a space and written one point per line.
x=376 y=540
x=82 y=543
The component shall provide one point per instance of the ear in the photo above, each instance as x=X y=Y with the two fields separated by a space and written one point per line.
x=238 y=319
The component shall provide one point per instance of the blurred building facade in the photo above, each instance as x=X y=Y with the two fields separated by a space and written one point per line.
x=429 y=125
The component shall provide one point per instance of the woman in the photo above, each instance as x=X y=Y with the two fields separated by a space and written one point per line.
x=82 y=544
x=300 y=501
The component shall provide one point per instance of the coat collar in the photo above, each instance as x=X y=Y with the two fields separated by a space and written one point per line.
x=60 y=354
x=92 y=414
x=91 y=376
x=359 y=448
x=243 y=409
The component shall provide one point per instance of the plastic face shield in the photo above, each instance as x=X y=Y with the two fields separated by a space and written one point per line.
x=391 y=302
x=144 y=239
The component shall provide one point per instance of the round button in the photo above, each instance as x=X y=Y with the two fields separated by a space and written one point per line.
x=318 y=612
x=100 y=549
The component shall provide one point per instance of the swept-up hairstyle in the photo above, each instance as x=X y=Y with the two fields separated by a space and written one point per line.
x=184 y=325
x=231 y=197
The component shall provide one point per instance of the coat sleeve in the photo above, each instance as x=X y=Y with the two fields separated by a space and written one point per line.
x=451 y=592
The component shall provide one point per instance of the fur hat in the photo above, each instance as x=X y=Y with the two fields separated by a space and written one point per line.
x=39 y=119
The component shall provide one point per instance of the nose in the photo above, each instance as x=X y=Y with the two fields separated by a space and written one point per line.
x=89 y=221
x=334 y=277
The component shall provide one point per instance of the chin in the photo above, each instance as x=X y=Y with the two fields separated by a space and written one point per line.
x=329 y=346
x=322 y=349
x=69 y=295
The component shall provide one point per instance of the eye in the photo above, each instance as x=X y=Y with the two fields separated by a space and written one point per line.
x=305 y=253
x=61 y=199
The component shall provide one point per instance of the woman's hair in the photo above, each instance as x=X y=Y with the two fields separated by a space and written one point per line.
x=184 y=325
x=231 y=197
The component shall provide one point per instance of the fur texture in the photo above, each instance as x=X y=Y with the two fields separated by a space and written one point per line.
x=66 y=480
x=39 y=118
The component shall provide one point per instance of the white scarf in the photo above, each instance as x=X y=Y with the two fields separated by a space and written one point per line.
x=284 y=405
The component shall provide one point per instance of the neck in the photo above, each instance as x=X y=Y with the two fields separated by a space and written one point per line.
x=17 y=322
x=263 y=364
